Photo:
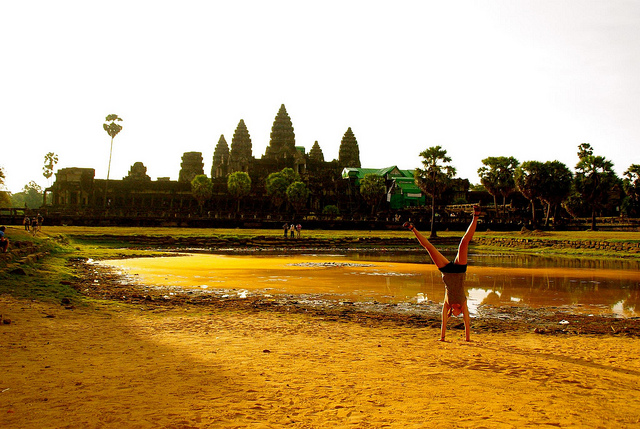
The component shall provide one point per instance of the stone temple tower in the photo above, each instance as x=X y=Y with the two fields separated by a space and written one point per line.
x=191 y=166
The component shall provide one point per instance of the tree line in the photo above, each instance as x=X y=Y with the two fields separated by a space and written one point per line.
x=593 y=187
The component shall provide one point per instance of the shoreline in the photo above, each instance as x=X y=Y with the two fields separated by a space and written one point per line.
x=103 y=282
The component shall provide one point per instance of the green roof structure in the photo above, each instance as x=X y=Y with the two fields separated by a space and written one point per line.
x=402 y=190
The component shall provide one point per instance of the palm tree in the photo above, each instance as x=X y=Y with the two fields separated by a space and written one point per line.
x=239 y=185
x=529 y=179
x=434 y=178
x=594 y=179
x=298 y=194
x=202 y=189
x=50 y=160
x=556 y=186
x=112 y=129
x=497 y=177
x=631 y=186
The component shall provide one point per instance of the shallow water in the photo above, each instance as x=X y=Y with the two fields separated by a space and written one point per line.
x=594 y=286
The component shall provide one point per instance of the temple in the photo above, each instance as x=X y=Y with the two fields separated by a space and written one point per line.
x=333 y=183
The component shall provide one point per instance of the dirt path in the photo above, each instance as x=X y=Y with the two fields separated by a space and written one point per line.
x=123 y=365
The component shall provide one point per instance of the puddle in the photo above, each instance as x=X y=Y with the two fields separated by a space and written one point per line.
x=585 y=289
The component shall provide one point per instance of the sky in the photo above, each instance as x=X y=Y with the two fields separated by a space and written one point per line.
x=531 y=79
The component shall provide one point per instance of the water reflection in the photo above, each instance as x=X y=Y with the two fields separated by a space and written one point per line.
x=591 y=286
x=504 y=260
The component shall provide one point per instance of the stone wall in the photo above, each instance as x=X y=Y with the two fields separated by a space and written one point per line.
x=19 y=253
x=540 y=243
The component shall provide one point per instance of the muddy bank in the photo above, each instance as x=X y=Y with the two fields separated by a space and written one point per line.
x=98 y=281
x=254 y=243
x=276 y=243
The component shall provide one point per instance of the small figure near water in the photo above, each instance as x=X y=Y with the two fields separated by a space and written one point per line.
x=453 y=275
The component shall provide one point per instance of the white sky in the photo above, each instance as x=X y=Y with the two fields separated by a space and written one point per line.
x=530 y=79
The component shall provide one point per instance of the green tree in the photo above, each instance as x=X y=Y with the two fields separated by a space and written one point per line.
x=489 y=179
x=202 y=189
x=506 y=168
x=593 y=180
x=277 y=183
x=434 y=178
x=298 y=194
x=331 y=211
x=290 y=175
x=556 y=186
x=30 y=196
x=239 y=185
x=276 y=186
x=50 y=160
x=372 y=189
x=631 y=186
x=112 y=129
x=349 y=152
x=497 y=177
x=5 y=197
x=529 y=179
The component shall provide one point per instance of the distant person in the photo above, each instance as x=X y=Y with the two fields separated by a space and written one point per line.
x=4 y=241
x=453 y=275
x=27 y=223
x=285 y=227
x=34 y=225
x=40 y=221
x=298 y=229
x=292 y=231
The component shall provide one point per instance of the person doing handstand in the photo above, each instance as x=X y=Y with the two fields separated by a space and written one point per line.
x=453 y=275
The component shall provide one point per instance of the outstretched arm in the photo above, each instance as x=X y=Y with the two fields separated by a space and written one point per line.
x=438 y=258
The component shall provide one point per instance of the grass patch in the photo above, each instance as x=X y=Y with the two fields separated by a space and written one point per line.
x=612 y=236
x=47 y=279
x=230 y=233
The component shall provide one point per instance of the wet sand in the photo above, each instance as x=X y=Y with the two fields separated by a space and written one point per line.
x=122 y=364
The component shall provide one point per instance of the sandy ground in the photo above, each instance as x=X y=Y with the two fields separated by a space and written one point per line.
x=134 y=366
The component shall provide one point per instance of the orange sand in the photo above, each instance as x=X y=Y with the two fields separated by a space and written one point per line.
x=111 y=365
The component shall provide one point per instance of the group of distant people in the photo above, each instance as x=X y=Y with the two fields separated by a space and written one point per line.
x=33 y=224
x=293 y=230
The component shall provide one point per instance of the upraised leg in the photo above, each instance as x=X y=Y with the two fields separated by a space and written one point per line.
x=463 y=248
x=438 y=258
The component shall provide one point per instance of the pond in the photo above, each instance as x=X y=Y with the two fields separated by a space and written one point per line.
x=585 y=285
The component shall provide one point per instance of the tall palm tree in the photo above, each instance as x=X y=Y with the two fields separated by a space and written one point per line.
x=112 y=129
x=434 y=178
